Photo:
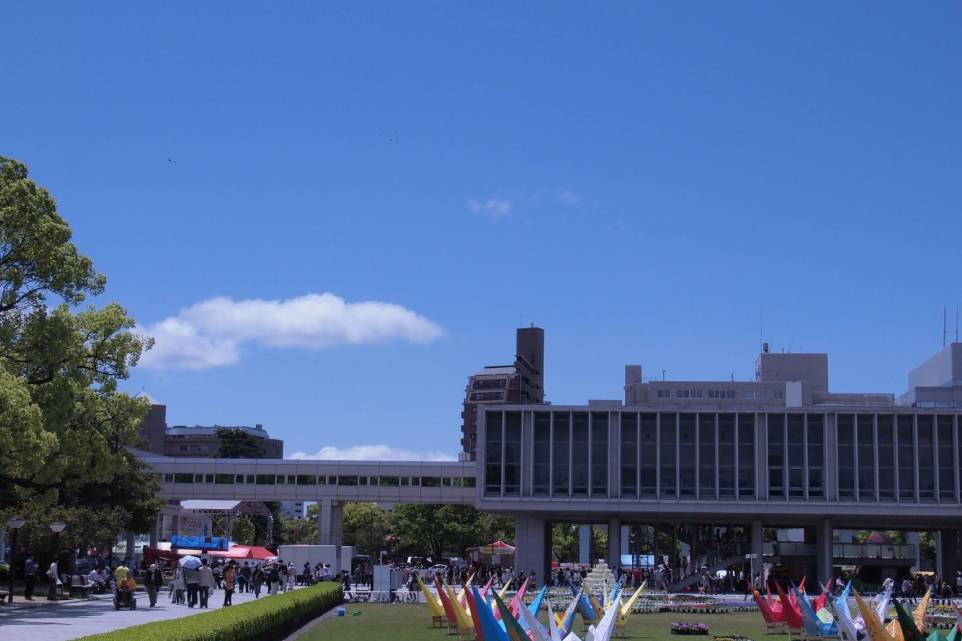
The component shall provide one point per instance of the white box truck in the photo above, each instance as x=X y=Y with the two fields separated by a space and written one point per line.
x=314 y=554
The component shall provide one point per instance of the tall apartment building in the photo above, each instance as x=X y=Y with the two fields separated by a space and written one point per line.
x=519 y=383
x=196 y=441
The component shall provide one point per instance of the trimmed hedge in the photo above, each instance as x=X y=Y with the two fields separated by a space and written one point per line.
x=267 y=619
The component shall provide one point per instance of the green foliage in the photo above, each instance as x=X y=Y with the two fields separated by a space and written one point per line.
x=364 y=527
x=272 y=617
x=295 y=531
x=85 y=526
x=63 y=424
x=243 y=531
x=236 y=443
x=440 y=530
x=564 y=542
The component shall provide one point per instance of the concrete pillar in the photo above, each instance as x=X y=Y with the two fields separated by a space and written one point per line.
x=912 y=538
x=757 y=548
x=3 y=544
x=330 y=516
x=824 y=551
x=584 y=544
x=947 y=548
x=530 y=549
x=614 y=543
x=153 y=534
x=625 y=539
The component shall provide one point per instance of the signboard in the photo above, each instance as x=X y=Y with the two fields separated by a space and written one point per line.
x=200 y=542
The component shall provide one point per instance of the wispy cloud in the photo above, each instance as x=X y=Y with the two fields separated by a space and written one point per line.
x=213 y=332
x=370 y=453
x=493 y=208
x=569 y=197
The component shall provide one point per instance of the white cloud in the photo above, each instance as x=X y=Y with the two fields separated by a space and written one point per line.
x=569 y=197
x=211 y=333
x=370 y=453
x=493 y=208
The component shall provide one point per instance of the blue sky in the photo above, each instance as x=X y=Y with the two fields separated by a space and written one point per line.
x=639 y=179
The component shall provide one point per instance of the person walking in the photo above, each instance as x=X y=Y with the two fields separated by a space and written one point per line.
x=205 y=582
x=153 y=581
x=257 y=579
x=229 y=575
x=192 y=579
x=291 y=576
x=180 y=586
x=29 y=577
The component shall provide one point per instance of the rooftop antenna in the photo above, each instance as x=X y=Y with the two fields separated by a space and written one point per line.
x=944 y=318
x=956 y=323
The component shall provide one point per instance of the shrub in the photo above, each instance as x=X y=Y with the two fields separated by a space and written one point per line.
x=267 y=619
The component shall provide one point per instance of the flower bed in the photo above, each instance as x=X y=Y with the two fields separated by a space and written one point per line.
x=689 y=628
x=268 y=619
x=731 y=637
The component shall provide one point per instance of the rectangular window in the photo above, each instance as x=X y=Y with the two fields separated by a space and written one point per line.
x=726 y=456
x=886 y=457
x=599 y=454
x=926 y=458
x=562 y=447
x=776 y=456
x=686 y=455
x=796 y=456
x=304 y=479
x=866 y=457
x=697 y=393
x=713 y=393
x=816 y=456
x=348 y=481
x=430 y=481
x=493 y=440
x=389 y=481
x=663 y=393
x=906 y=450
x=668 y=468
x=223 y=479
x=468 y=481
x=629 y=455
x=265 y=479
x=649 y=454
x=542 y=451
x=946 y=459
x=682 y=393
x=281 y=479
x=579 y=454
x=706 y=456
x=845 y=428
x=168 y=478
x=746 y=456
x=512 y=454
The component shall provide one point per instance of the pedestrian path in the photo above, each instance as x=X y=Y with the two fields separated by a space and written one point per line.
x=66 y=620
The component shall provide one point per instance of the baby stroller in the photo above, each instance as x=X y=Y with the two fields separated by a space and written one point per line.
x=124 y=598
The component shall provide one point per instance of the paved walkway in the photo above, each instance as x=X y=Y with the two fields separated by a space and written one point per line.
x=67 y=620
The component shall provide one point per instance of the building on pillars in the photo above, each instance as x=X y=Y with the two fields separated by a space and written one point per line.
x=780 y=451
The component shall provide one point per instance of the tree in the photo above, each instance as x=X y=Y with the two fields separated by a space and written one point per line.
x=365 y=526
x=565 y=542
x=63 y=422
x=243 y=531
x=295 y=531
x=436 y=530
x=237 y=443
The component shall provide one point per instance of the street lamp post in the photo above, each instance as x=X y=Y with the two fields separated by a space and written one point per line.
x=14 y=523
x=56 y=527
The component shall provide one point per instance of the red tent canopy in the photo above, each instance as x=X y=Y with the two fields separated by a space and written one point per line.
x=498 y=547
x=255 y=552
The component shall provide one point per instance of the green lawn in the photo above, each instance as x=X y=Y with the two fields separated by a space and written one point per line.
x=383 y=622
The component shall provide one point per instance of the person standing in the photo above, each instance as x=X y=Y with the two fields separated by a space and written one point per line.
x=29 y=577
x=229 y=575
x=153 y=581
x=291 y=575
x=205 y=582
x=53 y=576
